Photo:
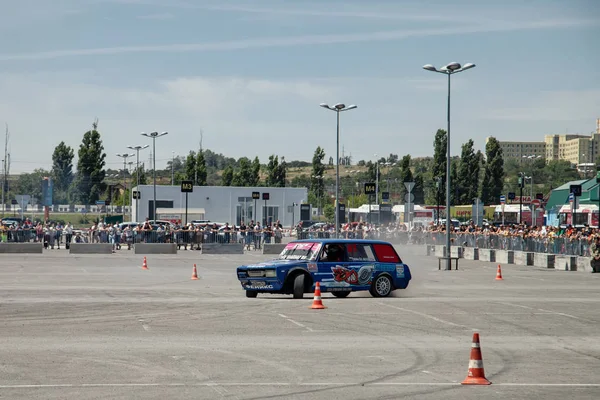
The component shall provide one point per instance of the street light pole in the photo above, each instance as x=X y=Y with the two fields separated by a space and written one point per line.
x=124 y=156
x=154 y=135
x=137 y=173
x=338 y=108
x=449 y=69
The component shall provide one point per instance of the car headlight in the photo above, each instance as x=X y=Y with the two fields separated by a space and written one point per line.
x=270 y=273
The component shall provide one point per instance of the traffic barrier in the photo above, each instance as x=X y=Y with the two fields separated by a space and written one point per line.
x=317 y=302
x=221 y=248
x=566 y=263
x=476 y=374
x=499 y=273
x=488 y=255
x=524 y=258
x=543 y=260
x=22 y=248
x=440 y=250
x=155 y=248
x=471 y=253
x=583 y=264
x=456 y=251
x=90 y=248
x=505 y=256
x=273 y=248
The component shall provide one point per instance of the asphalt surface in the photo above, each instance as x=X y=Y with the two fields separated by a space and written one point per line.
x=100 y=327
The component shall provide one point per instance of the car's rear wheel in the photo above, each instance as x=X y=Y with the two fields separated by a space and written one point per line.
x=251 y=294
x=299 y=286
x=341 y=295
x=381 y=287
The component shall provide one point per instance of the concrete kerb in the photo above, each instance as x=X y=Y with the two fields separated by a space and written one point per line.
x=505 y=256
x=155 y=248
x=488 y=255
x=90 y=248
x=273 y=248
x=583 y=264
x=544 y=260
x=22 y=248
x=222 y=248
x=523 y=258
x=565 y=263
x=471 y=253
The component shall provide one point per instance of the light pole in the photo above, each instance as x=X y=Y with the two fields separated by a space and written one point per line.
x=124 y=156
x=338 y=108
x=154 y=135
x=137 y=173
x=449 y=69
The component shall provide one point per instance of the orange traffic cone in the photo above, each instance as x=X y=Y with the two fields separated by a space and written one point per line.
x=144 y=264
x=317 y=302
x=195 y=274
x=476 y=375
x=499 y=273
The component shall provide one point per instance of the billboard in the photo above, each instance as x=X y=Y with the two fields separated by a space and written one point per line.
x=47 y=186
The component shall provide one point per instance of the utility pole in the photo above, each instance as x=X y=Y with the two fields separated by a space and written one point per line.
x=5 y=167
x=521 y=184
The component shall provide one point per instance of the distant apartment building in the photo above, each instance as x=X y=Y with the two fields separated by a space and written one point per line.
x=521 y=150
x=577 y=149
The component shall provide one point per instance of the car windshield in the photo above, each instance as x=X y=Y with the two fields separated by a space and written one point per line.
x=300 y=251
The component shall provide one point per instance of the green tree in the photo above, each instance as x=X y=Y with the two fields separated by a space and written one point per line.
x=244 y=176
x=31 y=184
x=440 y=159
x=317 y=185
x=201 y=172
x=139 y=171
x=468 y=174
x=90 y=167
x=272 y=168
x=62 y=171
x=255 y=172
x=227 y=177
x=406 y=174
x=493 y=181
x=190 y=167
x=454 y=194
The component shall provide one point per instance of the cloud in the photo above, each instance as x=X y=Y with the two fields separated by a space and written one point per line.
x=303 y=40
x=160 y=16
x=555 y=106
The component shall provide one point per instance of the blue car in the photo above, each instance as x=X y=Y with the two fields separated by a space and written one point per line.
x=341 y=267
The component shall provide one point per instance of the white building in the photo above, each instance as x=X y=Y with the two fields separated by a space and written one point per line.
x=223 y=203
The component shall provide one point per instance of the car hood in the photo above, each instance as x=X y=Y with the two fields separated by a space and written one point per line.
x=275 y=263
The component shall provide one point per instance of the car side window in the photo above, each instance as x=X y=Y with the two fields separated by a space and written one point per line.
x=360 y=252
x=333 y=252
x=386 y=253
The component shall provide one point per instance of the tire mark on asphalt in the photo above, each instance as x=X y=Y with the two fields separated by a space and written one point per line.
x=431 y=317
x=549 y=312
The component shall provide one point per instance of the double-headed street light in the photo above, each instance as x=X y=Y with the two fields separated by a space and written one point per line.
x=154 y=135
x=124 y=156
x=137 y=173
x=338 y=108
x=449 y=69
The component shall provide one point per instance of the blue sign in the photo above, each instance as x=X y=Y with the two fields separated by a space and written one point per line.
x=502 y=199
x=571 y=197
x=47 y=186
x=100 y=202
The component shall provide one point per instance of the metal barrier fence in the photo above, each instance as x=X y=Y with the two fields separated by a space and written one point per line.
x=556 y=245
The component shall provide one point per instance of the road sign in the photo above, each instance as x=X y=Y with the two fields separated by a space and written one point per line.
x=370 y=188
x=100 y=202
x=536 y=202
x=265 y=196
x=409 y=186
x=256 y=195
x=502 y=199
x=137 y=195
x=409 y=197
x=511 y=195
x=575 y=189
x=187 y=186
x=385 y=196
x=22 y=199
x=571 y=197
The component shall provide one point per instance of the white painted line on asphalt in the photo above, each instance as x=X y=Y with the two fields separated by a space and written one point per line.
x=296 y=323
x=288 y=384
x=431 y=317
x=548 y=312
x=144 y=325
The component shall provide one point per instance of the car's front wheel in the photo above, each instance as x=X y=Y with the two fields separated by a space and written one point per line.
x=381 y=287
x=251 y=294
x=299 y=286
x=341 y=295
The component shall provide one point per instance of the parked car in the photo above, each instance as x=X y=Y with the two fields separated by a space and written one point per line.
x=341 y=267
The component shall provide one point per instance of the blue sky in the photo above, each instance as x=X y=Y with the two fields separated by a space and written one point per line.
x=251 y=74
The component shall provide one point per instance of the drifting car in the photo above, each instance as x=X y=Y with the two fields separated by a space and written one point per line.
x=340 y=266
